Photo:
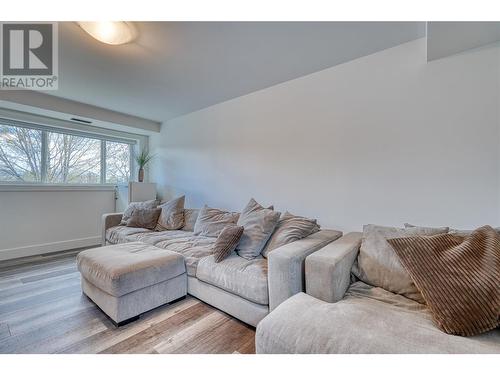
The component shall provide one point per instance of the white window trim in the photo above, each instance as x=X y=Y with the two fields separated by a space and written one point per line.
x=45 y=124
x=15 y=187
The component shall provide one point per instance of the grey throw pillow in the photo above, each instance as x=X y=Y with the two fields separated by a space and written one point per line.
x=458 y=232
x=211 y=221
x=133 y=205
x=144 y=218
x=468 y=232
x=227 y=241
x=290 y=228
x=258 y=223
x=378 y=264
x=172 y=215
x=190 y=216
x=407 y=225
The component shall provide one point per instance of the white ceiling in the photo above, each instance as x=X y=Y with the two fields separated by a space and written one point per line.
x=174 y=68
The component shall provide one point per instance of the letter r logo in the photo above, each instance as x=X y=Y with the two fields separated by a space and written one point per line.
x=27 y=49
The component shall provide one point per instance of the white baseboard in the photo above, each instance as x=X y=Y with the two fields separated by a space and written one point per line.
x=46 y=248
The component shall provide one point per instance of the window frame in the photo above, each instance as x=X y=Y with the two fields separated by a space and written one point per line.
x=45 y=129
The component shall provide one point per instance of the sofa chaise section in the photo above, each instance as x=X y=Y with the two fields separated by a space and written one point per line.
x=337 y=316
x=367 y=320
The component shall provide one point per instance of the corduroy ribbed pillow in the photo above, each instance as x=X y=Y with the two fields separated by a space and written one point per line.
x=227 y=241
x=458 y=276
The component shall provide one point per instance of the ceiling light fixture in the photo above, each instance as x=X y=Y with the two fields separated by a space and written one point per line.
x=110 y=32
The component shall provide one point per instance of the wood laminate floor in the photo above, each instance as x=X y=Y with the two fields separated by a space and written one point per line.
x=42 y=310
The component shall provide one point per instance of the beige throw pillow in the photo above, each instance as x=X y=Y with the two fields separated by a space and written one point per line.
x=226 y=242
x=190 y=216
x=133 y=205
x=459 y=232
x=290 y=228
x=172 y=215
x=144 y=218
x=259 y=223
x=211 y=221
x=378 y=264
x=446 y=229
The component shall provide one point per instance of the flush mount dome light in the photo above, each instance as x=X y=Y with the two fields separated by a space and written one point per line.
x=110 y=32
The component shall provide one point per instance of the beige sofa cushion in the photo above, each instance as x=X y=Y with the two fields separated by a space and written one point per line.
x=367 y=320
x=124 y=268
x=192 y=247
x=133 y=205
x=211 y=221
x=378 y=264
x=245 y=278
x=290 y=228
x=121 y=234
x=258 y=223
x=190 y=216
x=172 y=214
x=144 y=218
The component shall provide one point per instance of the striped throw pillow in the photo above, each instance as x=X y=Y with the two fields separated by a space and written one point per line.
x=226 y=242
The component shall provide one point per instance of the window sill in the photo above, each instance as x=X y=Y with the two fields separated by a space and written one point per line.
x=55 y=187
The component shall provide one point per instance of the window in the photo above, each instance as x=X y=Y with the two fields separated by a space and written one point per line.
x=117 y=162
x=20 y=154
x=38 y=154
x=72 y=159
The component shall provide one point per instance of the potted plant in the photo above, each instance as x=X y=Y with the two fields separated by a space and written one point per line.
x=143 y=158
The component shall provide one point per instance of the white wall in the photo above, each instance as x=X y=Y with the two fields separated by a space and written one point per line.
x=385 y=139
x=36 y=222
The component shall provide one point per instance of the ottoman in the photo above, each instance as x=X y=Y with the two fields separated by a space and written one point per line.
x=126 y=280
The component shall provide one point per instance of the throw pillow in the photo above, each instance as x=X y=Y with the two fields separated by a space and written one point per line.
x=378 y=264
x=446 y=229
x=172 y=215
x=144 y=218
x=258 y=223
x=133 y=205
x=458 y=232
x=211 y=221
x=290 y=228
x=458 y=277
x=190 y=216
x=227 y=241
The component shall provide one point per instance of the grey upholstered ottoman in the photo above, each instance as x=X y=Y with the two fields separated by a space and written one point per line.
x=129 y=279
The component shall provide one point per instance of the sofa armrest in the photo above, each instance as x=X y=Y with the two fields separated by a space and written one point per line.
x=286 y=275
x=109 y=221
x=328 y=271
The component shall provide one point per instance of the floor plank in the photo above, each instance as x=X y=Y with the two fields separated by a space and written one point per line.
x=42 y=310
x=103 y=341
x=215 y=333
x=4 y=330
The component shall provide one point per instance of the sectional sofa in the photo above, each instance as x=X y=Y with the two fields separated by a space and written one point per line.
x=245 y=289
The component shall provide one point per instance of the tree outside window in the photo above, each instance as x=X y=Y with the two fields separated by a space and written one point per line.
x=34 y=155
